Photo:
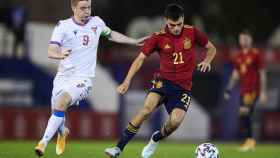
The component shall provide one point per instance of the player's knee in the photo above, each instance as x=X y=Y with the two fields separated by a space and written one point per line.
x=60 y=107
x=148 y=109
x=62 y=102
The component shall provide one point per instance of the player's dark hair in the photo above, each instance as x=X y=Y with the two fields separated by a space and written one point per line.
x=246 y=32
x=173 y=11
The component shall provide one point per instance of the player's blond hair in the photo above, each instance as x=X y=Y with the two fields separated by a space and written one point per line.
x=75 y=2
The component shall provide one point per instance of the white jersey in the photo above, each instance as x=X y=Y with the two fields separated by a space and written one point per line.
x=83 y=41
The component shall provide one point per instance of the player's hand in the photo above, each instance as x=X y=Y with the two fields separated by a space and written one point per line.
x=123 y=87
x=65 y=53
x=141 y=41
x=263 y=98
x=227 y=94
x=204 y=66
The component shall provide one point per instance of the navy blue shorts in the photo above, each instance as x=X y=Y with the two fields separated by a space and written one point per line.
x=173 y=96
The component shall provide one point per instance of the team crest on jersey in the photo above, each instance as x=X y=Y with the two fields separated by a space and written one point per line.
x=157 y=84
x=94 y=28
x=187 y=43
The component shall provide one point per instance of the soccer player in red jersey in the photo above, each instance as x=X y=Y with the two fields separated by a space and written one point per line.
x=250 y=71
x=175 y=45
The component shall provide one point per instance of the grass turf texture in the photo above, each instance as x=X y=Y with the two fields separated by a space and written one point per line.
x=94 y=149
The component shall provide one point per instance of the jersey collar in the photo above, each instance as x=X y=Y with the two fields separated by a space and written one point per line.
x=168 y=32
x=73 y=19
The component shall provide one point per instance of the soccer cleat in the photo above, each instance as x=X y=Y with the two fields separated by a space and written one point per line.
x=149 y=149
x=61 y=141
x=113 y=152
x=249 y=144
x=40 y=149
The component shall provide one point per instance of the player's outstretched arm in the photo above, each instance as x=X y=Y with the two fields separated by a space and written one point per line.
x=232 y=81
x=263 y=94
x=54 y=52
x=120 y=38
x=136 y=65
x=205 y=65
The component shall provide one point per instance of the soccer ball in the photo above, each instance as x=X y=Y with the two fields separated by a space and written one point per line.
x=206 y=150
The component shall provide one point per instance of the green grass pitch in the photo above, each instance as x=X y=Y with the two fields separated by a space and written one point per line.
x=94 y=149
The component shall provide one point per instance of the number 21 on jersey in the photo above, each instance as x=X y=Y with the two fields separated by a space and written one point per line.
x=186 y=99
x=178 y=58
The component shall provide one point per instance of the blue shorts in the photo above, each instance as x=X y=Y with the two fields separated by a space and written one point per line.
x=173 y=96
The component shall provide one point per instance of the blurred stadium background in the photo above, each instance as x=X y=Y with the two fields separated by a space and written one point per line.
x=26 y=73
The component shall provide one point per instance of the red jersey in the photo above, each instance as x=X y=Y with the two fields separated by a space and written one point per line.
x=177 y=53
x=248 y=66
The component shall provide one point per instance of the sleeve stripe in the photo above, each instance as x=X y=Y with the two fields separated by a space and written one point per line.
x=106 y=32
x=55 y=42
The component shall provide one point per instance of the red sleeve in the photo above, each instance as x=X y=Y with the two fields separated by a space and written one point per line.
x=200 y=37
x=150 y=45
x=260 y=60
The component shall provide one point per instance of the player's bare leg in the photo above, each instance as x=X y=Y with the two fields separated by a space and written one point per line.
x=249 y=143
x=176 y=118
x=54 y=123
x=150 y=105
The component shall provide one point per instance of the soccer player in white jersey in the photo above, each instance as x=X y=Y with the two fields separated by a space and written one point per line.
x=74 y=41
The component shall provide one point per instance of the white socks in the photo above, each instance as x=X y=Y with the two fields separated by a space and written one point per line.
x=61 y=128
x=55 y=122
